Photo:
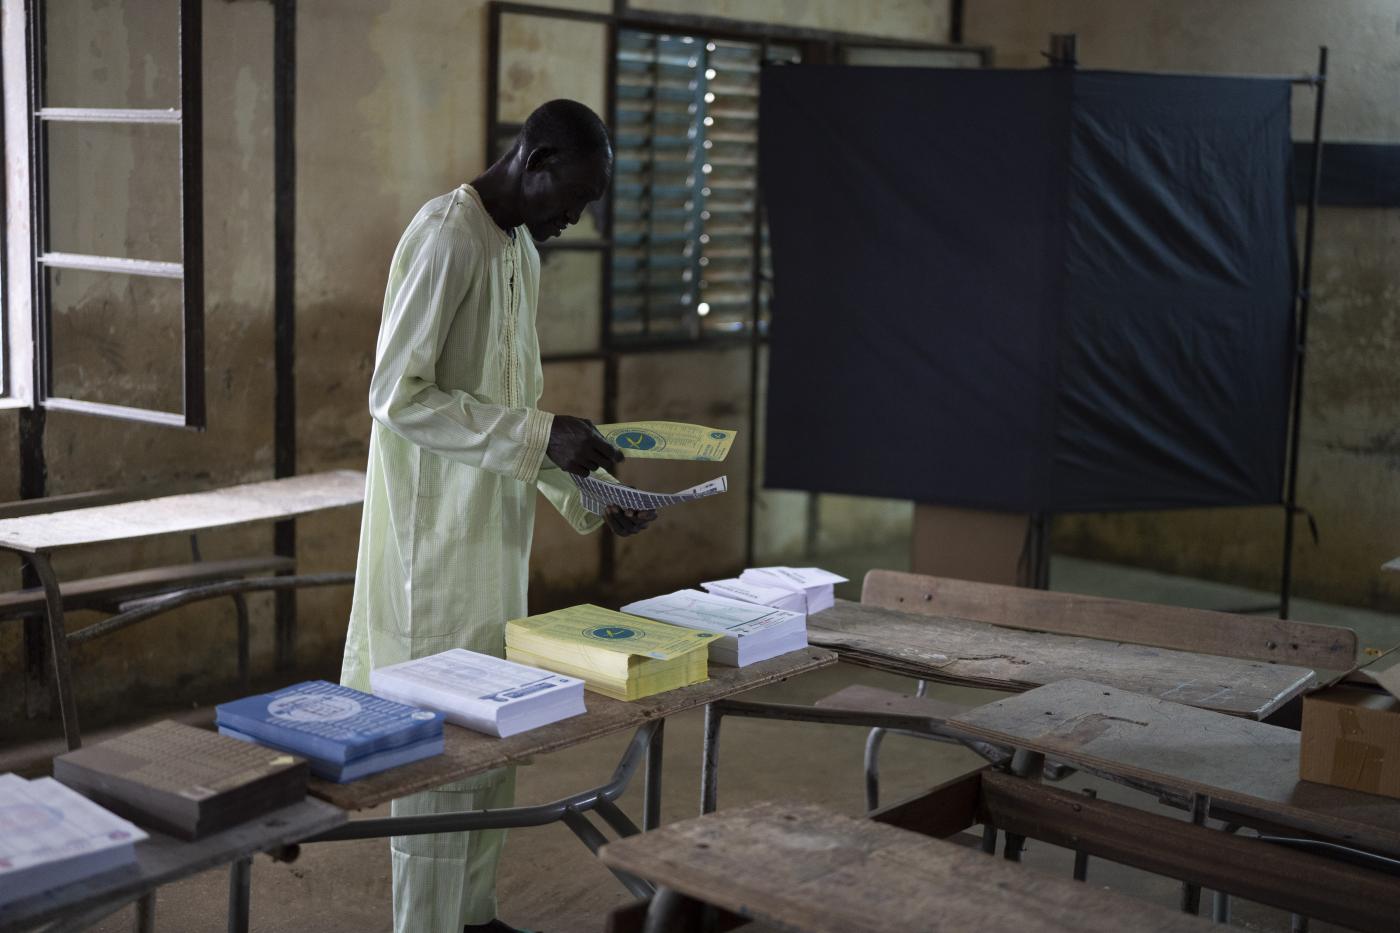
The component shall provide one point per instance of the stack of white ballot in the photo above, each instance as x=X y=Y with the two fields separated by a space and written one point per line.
x=487 y=694
x=751 y=633
x=53 y=836
x=807 y=590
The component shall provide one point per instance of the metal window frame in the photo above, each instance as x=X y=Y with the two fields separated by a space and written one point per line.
x=190 y=270
x=815 y=46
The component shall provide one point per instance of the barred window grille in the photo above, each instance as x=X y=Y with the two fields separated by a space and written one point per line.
x=685 y=188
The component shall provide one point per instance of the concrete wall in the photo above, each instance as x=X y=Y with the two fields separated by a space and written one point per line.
x=391 y=111
x=1349 y=474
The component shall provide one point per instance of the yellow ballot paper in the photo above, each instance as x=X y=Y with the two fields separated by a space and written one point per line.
x=620 y=656
x=668 y=440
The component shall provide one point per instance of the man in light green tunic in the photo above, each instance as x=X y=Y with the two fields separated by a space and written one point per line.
x=457 y=453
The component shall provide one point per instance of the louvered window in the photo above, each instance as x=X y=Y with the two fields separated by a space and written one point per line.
x=685 y=187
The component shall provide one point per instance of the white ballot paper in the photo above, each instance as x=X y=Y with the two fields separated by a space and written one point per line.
x=481 y=692
x=751 y=633
x=816 y=584
x=598 y=494
x=50 y=835
x=778 y=597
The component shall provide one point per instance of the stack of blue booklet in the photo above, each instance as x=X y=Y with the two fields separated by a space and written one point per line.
x=344 y=733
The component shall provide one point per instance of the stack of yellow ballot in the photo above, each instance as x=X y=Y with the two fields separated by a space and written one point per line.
x=619 y=656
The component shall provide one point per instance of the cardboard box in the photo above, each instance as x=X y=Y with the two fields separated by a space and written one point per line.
x=1351 y=729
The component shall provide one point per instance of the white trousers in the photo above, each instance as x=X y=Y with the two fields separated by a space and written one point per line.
x=444 y=881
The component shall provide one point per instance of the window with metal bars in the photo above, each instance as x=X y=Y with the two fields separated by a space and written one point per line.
x=107 y=333
x=690 y=257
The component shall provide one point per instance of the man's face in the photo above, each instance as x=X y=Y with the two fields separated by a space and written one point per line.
x=556 y=190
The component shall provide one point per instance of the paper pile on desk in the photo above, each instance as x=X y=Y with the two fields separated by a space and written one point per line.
x=344 y=733
x=479 y=692
x=750 y=633
x=598 y=494
x=617 y=655
x=808 y=590
x=51 y=836
x=668 y=440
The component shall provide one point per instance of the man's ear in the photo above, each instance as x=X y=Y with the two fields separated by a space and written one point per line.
x=540 y=158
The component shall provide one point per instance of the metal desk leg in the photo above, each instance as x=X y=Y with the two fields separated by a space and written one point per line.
x=240 y=879
x=58 y=647
x=240 y=605
x=1081 y=859
x=146 y=914
x=595 y=840
x=1220 y=908
x=709 y=764
x=651 y=788
x=872 y=768
x=1191 y=893
x=1024 y=764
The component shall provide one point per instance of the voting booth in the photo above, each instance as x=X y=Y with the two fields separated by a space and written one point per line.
x=1029 y=291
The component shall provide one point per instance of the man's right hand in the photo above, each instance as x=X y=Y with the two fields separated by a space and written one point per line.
x=576 y=447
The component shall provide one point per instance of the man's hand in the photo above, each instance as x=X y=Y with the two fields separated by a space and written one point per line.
x=576 y=447
x=624 y=522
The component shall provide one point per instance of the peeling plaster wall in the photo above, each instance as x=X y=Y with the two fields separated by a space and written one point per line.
x=1349 y=473
x=391 y=111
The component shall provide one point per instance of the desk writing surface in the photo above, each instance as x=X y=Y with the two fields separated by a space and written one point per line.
x=470 y=753
x=182 y=514
x=1246 y=767
x=164 y=859
x=980 y=654
x=802 y=867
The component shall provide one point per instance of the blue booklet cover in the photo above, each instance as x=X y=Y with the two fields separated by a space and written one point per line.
x=326 y=722
x=364 y=766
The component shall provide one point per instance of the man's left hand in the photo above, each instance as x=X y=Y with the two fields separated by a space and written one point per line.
x=624 y=522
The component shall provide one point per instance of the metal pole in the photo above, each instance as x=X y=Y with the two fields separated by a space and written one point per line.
x=284 y=233
x=1290 y=501
x=1191 y=893
x=240 y=880
x=146 y=914
x=1081 y=859
x=709 y=762
x=58 y=647
x=651 y=786
x=872 y=767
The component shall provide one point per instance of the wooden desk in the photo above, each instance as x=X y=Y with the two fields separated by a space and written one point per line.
x=803 y=868
x=979 y=654
x=1249 y=770
x=470 y=753
x=36 y=537
x=162 y=859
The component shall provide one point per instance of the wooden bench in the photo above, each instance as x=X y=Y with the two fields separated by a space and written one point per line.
x=1247 y=771
x=36 y=529
x=1168 y=627
x=801 y=867
x=1202 y=631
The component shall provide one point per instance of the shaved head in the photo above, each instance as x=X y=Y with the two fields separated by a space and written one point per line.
x=569 y=128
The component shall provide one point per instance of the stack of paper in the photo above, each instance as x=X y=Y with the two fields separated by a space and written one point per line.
x=668 y=440
x=344 y=733
x=480 y=692
x=807 y=590
x=750 y=633
x=181 y=780
x=54 y=836
x=619 y=656
x=597 y=494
